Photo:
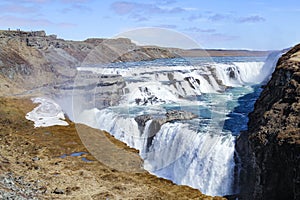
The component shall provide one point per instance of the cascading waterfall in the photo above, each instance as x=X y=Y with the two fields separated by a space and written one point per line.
x=196 y=152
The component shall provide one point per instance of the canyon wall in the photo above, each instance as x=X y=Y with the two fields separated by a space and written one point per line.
x=269 y=151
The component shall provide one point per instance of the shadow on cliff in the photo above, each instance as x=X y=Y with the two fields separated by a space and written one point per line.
x=237 y=121
x=238 y=118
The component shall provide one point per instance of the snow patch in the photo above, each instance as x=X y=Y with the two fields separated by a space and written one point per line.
x=48 y=113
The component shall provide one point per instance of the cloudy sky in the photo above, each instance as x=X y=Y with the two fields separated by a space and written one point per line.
x=230 y=24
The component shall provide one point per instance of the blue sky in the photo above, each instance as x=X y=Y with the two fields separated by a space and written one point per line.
x=227 y=24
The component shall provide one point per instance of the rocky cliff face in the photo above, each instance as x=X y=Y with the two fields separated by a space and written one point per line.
x=30 y=60
x=157 y=122
x=270 y=150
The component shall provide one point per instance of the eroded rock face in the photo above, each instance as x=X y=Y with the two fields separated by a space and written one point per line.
x=270 y=149
x=171 y=115
x=33 y=60
x=157 y=122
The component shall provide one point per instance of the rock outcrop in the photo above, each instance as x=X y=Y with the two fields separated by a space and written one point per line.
x=270 y=149
x=156 y=122
x=171 y=115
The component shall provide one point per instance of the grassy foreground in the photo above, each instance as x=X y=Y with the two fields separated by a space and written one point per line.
x=31 y=165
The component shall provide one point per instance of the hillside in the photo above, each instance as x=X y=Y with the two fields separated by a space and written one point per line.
x=31 y=60
x=36 y=163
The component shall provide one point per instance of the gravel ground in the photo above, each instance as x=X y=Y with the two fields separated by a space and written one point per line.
x=14 y=187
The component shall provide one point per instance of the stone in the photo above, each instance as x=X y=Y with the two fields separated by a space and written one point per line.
x=35 y=158
x=157 y=122
x=58 y=191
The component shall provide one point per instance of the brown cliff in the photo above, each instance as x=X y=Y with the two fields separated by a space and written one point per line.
x=270 y=149
x=30 y=60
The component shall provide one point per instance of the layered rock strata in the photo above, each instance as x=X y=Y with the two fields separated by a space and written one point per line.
x=33 y=60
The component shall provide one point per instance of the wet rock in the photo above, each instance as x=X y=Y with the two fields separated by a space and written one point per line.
x=171 y=115
x=142 y=119
x=179 y=115
x=157 y=122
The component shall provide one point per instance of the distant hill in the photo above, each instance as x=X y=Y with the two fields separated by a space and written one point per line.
x=220 y=52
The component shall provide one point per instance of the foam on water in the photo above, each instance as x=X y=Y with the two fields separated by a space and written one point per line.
x=198 y=153
x=201 y=160
x=168 y=83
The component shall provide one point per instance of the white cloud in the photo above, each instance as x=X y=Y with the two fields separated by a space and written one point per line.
x=13 y=21
x=200 y=30
x=18 y=21
x=160 y=37
x=251 y=19
x=126 y=7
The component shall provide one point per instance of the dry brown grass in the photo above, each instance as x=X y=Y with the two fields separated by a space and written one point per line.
x=20 y=143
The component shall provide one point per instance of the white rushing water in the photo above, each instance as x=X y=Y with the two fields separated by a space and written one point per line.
x=198 y=152
x=234 y=74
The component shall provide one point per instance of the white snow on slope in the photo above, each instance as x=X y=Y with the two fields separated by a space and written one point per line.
x=48 y=113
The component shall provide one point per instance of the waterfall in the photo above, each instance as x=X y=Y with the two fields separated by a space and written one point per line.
x=167 y=83
x=198 y=152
